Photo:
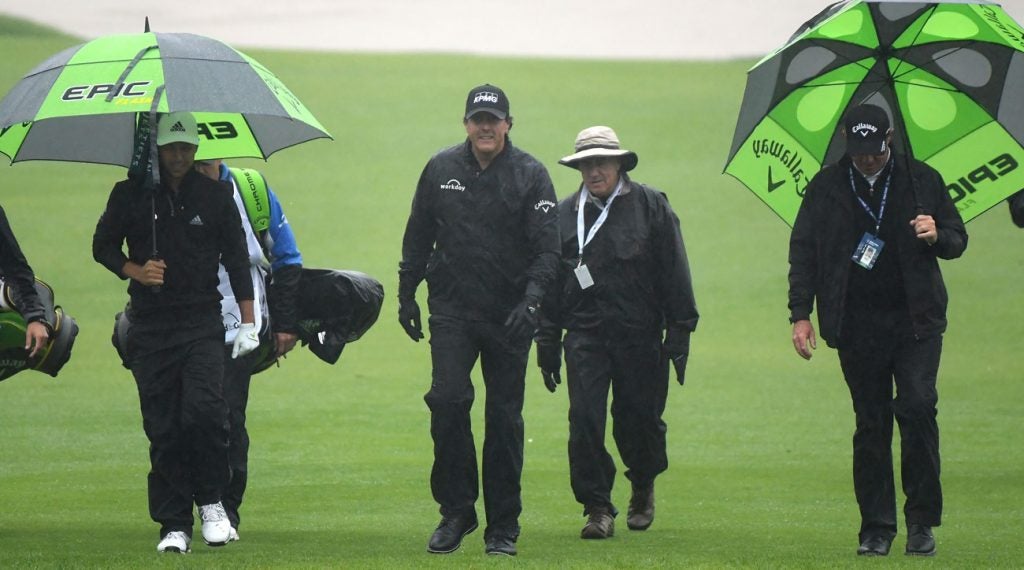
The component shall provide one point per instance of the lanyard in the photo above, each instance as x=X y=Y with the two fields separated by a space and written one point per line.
x=600 y=219
x=885 y=196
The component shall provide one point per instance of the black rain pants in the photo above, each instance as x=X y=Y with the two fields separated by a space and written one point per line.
x=178 y=371
x=455 y=345
x=637 y=373
x=877 y=352
x=237 y=377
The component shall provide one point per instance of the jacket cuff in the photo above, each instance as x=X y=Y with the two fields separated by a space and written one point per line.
x=40 y=319
x=534 y=293
x=407 y=287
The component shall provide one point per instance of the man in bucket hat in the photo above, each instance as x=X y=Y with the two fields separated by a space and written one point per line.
x=865 y=246
x=483 y=233
x=623 y=283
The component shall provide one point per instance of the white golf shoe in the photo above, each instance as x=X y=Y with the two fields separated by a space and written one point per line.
x=234 y=535
x=216 y=526
x=174 y=541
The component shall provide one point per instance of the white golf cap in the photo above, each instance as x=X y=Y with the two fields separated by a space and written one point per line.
x=177 y=127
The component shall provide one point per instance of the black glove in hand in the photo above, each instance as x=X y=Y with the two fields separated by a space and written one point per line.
x=549 y=358
x=409 y=318
x=677 y=348
x=522 y=321
x=679 y=363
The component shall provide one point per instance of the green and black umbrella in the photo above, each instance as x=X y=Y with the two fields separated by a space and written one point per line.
x=950 y=75
x=82 y=105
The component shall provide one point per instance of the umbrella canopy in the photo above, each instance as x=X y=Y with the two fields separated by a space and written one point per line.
x=949 y=74
x=82 y=104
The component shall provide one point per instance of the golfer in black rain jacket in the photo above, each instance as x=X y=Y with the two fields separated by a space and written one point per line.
x=624 y=279
x=176 y=341
x=483 y=233
x=865 y=246
x=19 y=278
x=1016 y=203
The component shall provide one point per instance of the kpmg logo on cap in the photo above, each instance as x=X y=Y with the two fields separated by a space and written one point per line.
x=453 y=184
x=864 y=129
x=486 y=96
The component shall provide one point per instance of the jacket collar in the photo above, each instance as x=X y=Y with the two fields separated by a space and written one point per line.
x=627 y=187
x=468 y=156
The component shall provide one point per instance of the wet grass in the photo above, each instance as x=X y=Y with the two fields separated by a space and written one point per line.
x=759 y=439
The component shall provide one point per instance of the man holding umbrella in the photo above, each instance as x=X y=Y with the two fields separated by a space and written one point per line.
x=175 y=343
x=865 y=245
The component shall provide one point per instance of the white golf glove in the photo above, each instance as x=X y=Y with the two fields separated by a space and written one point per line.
x=248 y=340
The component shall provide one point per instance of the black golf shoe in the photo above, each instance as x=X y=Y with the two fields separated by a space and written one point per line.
x=448 y=535
x=920 y=540
x=876 y=545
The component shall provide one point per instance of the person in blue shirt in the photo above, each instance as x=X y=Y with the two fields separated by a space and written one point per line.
x=275 y=264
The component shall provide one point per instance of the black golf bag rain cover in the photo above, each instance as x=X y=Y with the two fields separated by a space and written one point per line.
x=336 y=307
x=13 y=356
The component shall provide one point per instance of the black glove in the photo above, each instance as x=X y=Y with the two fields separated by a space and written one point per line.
x=677 y=348
x=409 y=318
x=549 y=358
x=522 y=321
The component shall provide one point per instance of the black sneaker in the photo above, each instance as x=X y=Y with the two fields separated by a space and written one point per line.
x=500 y=545
x=920 y=541
x=448 y=535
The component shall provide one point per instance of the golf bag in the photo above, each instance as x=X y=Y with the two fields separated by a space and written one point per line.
x=335 y=307
x=13 y=356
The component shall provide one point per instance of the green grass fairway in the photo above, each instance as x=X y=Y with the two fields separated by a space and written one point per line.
x=759 y=440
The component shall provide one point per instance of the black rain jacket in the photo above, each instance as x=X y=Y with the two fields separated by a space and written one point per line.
x=1016 y=203
x=196 y=230
x=826 y=234
x=637 y=261
x=484 y=240
x=18 y=275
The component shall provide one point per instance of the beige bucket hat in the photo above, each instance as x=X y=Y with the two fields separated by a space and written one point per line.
x=599 y=141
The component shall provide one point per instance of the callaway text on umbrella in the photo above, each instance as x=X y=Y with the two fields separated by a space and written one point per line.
x=949 y=74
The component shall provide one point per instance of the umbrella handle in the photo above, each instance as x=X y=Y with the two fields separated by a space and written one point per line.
x=156 y=254
x=154 y=161
x=155 y=257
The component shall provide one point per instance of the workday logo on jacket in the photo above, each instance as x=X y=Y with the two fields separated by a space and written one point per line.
x=453 y=184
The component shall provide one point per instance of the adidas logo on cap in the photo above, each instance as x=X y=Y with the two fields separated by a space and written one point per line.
x=177 y=127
